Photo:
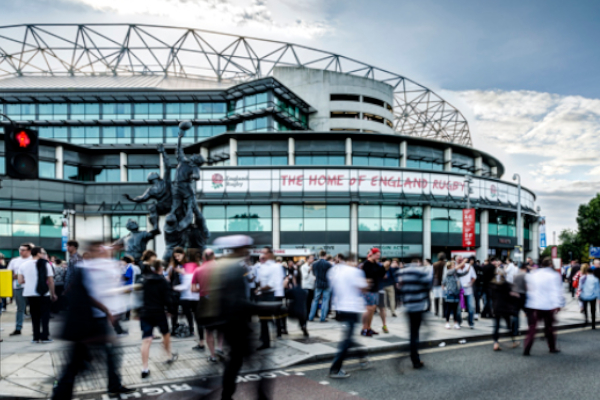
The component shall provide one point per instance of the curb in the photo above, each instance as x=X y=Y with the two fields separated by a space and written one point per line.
x=405 y=345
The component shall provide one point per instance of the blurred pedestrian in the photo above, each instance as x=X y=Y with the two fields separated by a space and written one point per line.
x=415 y=282
x=271 y=287
x=347 y=286
x=36 y=278
x=589 y=293
x=544 y=299
x=73 y=260
x=87 y=322
x=504 y=303
x=60 y=275
x=572 y=271
x=438 y=275
x=156 y=299
x=386 y=291
x=14 y=266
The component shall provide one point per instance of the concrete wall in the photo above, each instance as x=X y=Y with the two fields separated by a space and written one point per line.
x=315 y=87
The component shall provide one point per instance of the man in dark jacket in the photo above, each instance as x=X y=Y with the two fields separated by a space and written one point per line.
x=575 y=267
x=322 y=289
x=157 y=297
x=488 y=273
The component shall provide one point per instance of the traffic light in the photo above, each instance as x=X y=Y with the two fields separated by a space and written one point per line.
x=21 y=150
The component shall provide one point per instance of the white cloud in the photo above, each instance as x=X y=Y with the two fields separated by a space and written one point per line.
x=282 y=19
x=551 y=140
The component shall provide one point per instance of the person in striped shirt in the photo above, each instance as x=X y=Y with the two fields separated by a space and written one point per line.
x=414 y=282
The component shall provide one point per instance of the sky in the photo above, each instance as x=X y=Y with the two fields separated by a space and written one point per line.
x=524 y=74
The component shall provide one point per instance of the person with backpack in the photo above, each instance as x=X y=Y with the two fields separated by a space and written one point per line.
x=451 y=291
x=36 y=276
x=589 y=292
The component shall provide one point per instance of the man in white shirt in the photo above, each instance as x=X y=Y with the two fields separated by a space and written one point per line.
x=347 y=283
x=271 y=286
x=37 y=277
x=14 y=265
x=544 y=298
x=510 y=269
x=467 y=277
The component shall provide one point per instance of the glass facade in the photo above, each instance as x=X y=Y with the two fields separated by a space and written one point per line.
x=262 y=160
x=320 y=160
x=30 y=224
x=444 y=220
x=140 y=174
x=373 y=161
x=423 y=164
x=93 y=174
x=502 y=224
x=119 y=223
x=390 y=218
x=233 y=218
x=311 y=217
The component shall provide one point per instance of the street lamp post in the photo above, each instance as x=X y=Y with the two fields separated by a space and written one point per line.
x=517 y=177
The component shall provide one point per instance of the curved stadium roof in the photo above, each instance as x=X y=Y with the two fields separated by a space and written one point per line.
x=150 y=50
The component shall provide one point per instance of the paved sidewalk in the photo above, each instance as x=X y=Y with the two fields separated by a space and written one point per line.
x=29 y=370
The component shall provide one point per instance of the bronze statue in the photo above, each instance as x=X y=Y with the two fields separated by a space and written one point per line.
x=160 y=191
x=185 y=226
x=134 y=244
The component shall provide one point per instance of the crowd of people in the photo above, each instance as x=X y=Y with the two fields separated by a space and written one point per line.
x=217 y=298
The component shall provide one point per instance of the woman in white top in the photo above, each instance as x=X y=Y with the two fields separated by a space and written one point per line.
x=308 y=282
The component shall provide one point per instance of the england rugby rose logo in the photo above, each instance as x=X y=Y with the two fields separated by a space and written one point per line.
x=494 y=190
x=217 y=181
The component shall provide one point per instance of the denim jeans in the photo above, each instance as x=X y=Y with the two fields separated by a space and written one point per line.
x=325 y=294
x=350 y=319
x=478 y=292
x=470 y=303
x=21 y=304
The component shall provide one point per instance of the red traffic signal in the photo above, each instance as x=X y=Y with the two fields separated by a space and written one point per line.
x=23 y=139
x=21 y=152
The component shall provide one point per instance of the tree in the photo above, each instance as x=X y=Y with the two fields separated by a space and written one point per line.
x=571 y=247
x=588 y=222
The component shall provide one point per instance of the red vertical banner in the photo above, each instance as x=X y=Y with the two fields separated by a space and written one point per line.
x=469 y=227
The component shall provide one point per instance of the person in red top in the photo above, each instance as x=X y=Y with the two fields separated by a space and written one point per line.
x=200 y=284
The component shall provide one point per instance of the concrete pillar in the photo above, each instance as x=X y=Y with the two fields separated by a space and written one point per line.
x=427 y=232
x=276 y=227
x=107 y=225
x=123 y=165
x=60 y=162
x=484 y=238
x=233 y=152
x=354 y=228
x=291 y=151
x=161 y=167
x=159 y=240
x=494 y=171
x=448 y=159
x=348 y=151
x=478 y=166
x=204 y=152
x=403 y=153
x=534 y=234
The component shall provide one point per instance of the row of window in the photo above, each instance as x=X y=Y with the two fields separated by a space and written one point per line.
x=127 y=134
x=30 y=224
x=390 y=218
x=357 y=115
x=358 y=98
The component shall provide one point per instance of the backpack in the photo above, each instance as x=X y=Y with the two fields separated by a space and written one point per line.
x=452 y=286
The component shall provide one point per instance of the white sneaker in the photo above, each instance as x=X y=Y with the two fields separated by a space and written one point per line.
x=456 y=326
x=447 y=326
x=476 y=317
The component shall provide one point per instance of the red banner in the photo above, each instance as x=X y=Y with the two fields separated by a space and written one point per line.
x=469 y=227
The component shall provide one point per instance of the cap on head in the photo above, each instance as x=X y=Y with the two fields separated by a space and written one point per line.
x=374 y=250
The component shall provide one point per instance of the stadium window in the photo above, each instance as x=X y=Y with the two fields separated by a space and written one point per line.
x=344 y=97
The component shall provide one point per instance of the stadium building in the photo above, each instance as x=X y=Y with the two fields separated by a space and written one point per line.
x=306 y=149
